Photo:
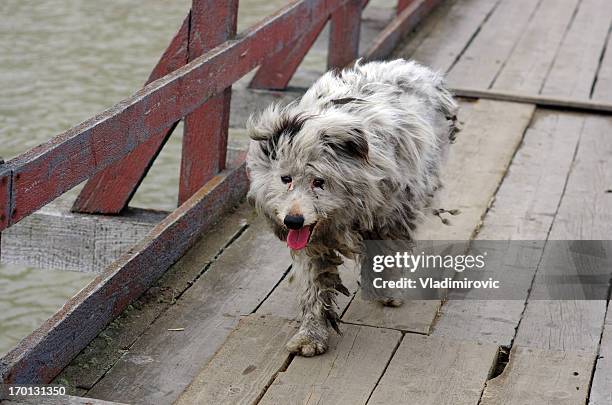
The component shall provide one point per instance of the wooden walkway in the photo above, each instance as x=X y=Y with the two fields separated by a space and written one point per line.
x=213 y=328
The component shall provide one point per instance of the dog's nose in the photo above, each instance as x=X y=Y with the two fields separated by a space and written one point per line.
x=294 y=221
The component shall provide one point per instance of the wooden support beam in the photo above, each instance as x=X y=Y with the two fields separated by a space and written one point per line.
x=53 y=238
x=47 y=171
x=205 y=134
x=276 y=72
x=388 y=39
x=42 y=355
x=344 y=34
x=5 y=194
x=402 y=4
x=539 y=100
x=110 y=190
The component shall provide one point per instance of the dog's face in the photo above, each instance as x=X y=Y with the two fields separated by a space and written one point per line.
x=303 y=171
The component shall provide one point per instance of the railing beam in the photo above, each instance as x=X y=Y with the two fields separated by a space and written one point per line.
x=47 y=171
x=276 y=72
x=110 y=190
x=205 y=134
x=344 y=34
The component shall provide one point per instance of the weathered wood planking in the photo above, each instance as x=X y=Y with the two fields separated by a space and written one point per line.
x=58 y=400
x=531 y=59
x=488 y=51
x=535 y=376
x=205 y=131
x=584 y=213
x=43 y=354
x=54 y=238
x=575 y=66
x=407 y=19
x=524 y=208
x=431 y=370
x=450 y=34
x=110 y=345
x=601 y=393
x=245 y=365
x=346 y=374
x=110 y=190
x=68 y=159
x=481 y=155
x=160 y=364
x=602 y=89
x=283 y=302
x=556 y=102
x=484 y=149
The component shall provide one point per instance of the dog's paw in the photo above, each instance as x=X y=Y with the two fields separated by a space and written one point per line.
x=391 y=302
x=307 y=345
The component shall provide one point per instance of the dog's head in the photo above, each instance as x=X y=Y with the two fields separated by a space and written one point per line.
x=306 y=171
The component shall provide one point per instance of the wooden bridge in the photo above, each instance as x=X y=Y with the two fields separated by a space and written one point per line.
x=198 y=311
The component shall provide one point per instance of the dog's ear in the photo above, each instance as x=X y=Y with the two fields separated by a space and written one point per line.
x=351 y=143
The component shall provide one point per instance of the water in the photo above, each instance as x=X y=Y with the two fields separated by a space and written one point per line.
x=62 y=61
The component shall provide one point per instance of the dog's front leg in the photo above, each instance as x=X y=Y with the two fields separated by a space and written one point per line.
x=320 y=284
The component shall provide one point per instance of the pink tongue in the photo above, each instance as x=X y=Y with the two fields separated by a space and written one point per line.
x=298 y=238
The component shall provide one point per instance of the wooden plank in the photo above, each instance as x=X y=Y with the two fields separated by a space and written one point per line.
x=451 y=33
x=283 y=302
x=43 y=354
x=345 y=27
x=558 y=102
x=541 y=377
x=389 y=38
x=481 y=62
x=47 y=171
x=58 y=400
x=110 y=345
x=575 y=66
x=162 y=362
x=524 y=208
x=205 y=129
x=601 y=394
x=245 y=365
x=584 y=214
x=276 y=71
x=602 y=87
x=346 y=374
x=413 y=316
x=110 y=190
x=55 y=238
x=531 y=59
x=430 y=370
x=484 y=149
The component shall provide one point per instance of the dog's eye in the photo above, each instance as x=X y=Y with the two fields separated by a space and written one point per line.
x=286 y=179
x=318 y=183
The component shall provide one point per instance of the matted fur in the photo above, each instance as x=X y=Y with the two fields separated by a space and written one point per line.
x=376 y=134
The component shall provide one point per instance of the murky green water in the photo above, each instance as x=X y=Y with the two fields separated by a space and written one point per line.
x=61 y=61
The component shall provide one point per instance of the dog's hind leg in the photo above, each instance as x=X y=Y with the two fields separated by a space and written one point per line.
x=321 y=284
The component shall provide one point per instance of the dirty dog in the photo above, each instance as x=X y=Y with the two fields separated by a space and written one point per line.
x=357 y=157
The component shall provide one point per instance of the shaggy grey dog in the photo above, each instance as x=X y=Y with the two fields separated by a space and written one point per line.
x=357 y=157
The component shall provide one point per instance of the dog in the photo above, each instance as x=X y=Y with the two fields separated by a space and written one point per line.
x=357 y=158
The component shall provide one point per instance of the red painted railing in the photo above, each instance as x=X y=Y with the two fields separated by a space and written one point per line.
x=114 y=150
x=192 y=81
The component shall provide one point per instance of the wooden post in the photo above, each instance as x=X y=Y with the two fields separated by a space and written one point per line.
x=205 y=134
x=344 y=34
x=110 y=190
